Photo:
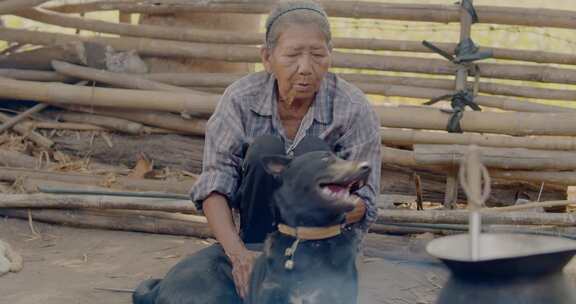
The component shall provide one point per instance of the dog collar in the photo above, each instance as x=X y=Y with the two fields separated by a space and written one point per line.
x=305 y=234
x=310 y=233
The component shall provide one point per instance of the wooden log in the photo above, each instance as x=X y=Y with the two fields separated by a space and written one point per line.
x=449 y=229
x=192 y=126
x=40 y=59
x=33 y=185
x=30 y=134
x=164 y=48
x=410 y=137
x=11 y=6
x=558 y=124
x=16 y=159
x=117 y=182
x=251 y=38
x=16 y=119
x=461 y=217
x=170 y=150
x=61 y=126
x=531 y=205
x=350 y=9
x=111 y=123
x=224 y=80
x=510 y=104
x=196 y=79
x=120 y=80
x=32 y=75
x=567 y=178
x=54 y=201
x=398 y=157
x=117 y=220
x=391 y=157
x=53 y=93
x=503 y=158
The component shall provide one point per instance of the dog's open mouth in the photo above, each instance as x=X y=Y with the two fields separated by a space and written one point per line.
x=342 y=188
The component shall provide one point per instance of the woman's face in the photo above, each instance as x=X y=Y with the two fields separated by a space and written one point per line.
x=299 y=61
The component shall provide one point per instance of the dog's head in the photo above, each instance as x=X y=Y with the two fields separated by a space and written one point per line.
x=315 y=187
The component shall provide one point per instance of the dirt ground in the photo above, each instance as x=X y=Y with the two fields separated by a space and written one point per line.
x=64 y=265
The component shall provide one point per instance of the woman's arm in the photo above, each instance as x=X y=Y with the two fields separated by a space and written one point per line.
x=220 y=220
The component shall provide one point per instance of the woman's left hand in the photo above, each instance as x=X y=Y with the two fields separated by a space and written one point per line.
x=357 y=214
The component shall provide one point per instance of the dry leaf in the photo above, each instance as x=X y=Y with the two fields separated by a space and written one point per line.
x=143 y=169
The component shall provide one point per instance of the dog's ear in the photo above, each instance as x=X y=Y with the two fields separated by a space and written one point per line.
x=275 y=164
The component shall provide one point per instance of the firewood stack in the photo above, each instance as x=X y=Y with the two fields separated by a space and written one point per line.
x=100 y=119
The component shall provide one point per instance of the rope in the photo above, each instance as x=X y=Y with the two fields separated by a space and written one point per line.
x=467 y=163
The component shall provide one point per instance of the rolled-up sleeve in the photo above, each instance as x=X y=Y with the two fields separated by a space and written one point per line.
x=222 y=153
x=362 y=142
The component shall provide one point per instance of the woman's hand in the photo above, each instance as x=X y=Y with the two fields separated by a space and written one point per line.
x=220 y=220
x=357 y=214
x=242 y=263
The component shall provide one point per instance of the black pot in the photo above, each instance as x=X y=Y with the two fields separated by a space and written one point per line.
x=511 y=269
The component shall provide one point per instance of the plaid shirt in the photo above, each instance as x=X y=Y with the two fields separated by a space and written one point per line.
x=340 y=115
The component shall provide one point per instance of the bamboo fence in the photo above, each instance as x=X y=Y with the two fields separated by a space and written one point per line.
x=247 y=38
x=348 y=9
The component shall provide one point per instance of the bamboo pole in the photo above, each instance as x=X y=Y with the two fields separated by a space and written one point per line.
x=223 y=80
x=193 y=126
x=567 y=178
x=461 y=217
x=163 y=48
x=503 y=158
x=369 y=81
x=530 y=205
x=247 y=38
x=504 y=103
x=52 y=201
x=11 y=6
x=141 y=221
x=32 y=75
x=40 y=58
x=406 y=158
x=30 y=134
x=410 y=137
x=127 y=81
x=16 y=119
x=111 y=123
x=16 y=159
x=61 y=126
x=351 y=9
x=115 y=182
x=559 y=124
x=135 y=82
x=59 y=94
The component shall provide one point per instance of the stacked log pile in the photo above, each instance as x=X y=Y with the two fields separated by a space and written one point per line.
x=102 y=120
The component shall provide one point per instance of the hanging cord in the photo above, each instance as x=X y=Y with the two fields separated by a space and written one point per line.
x=465 y=54
x=290 y=253
x=478 y=197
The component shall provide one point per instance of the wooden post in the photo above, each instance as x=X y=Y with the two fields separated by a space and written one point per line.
x=451 y=196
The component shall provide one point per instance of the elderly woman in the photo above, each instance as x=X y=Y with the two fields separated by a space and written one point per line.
x=295 y=106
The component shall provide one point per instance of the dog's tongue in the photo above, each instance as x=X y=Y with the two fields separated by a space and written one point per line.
x=336 y=188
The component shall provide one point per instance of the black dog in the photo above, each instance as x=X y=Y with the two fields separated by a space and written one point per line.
x=319 y=266
x=311 y=259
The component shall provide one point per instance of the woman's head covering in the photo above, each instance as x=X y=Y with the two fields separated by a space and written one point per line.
x=299 y=12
